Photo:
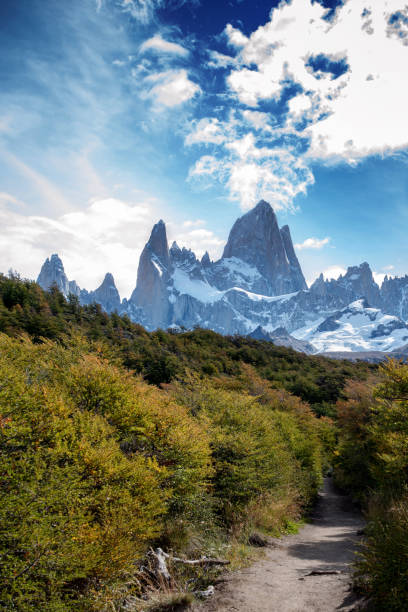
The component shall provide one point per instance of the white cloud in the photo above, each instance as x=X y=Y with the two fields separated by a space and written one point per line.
x=334 y=272
x=235 y=36
x=378 y=277
x=360 y=112
x=206 y=165
x=159 y=45
x=107 y=236
x=208 y=130
x=278 y=180
x=252 y=172
x=351 y=99
x=312 y=243
x=251 y=85
x=198 y=240
x=171 y=88
x=258 y=120
x=220 y=60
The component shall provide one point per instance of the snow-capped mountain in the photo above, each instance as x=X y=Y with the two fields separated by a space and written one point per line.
x=358 y=327
x=257 y=283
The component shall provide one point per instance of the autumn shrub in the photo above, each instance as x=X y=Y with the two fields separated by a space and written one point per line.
x=93 y=463
x=356 y=449
x=372 y=462
x=383 y=563
x=75 y=510
x=150 y=422
x=260 y=454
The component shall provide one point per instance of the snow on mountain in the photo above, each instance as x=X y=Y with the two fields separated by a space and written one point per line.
x=257 y=283
x=196 y=288
x=358 y=327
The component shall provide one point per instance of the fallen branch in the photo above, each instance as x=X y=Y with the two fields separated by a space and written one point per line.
x=162 y=571
x=203 y=561
x=161 y=557
x=161 y=566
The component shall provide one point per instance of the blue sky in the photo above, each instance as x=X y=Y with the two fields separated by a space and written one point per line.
x=115 y=113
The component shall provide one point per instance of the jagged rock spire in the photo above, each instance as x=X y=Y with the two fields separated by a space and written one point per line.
x=297 y=273
x=151 y=293
x=53 y=273
x=255 y=238
x=205 y=260
x=158 y=244
x=107 y=294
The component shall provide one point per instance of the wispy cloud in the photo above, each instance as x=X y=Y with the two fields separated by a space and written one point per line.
x=145 y=10
x=45 y=188
x=249 y=170
x=207 y=131
x=158 y=44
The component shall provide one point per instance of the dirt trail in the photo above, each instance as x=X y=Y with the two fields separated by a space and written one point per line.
x=281 y=583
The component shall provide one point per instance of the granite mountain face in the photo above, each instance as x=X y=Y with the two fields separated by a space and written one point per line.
x=257 y=240
x=257 y=286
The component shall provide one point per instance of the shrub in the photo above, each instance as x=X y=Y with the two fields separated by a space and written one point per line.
x=257 y=451
x=372 y=462
x=383 y=566
x=92 y=464
x=74 y=508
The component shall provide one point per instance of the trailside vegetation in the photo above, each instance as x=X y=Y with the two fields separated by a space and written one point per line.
x=372 y=463
x=114 y=440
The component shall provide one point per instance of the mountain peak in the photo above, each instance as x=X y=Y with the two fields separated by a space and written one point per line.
x=205 y=260
x=55 y=258
x=255 y=239
x=157 y=243
x=262 y=205
x=108 y=280
x=106 y=294
x=52 y=273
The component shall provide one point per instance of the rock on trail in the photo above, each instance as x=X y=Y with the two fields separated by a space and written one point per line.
x=307 y=572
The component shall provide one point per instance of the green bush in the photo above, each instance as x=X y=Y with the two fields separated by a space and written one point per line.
x=383 y=567
x=372 y=462
x=257 y=450
x=92 y=464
